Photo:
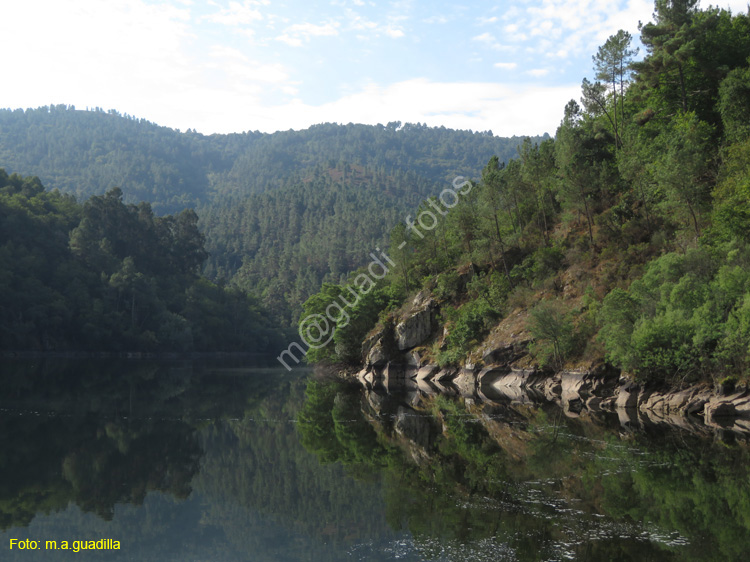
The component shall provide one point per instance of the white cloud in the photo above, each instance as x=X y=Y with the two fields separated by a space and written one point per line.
x=737 y=6
x=95 y=54
x=241 y=71
x=161 y=60
x=505 y=109
x=298 y=34
x=485 y=37
x=489 y=40
x=581 y=25
x=511 y=13
x=237 y=14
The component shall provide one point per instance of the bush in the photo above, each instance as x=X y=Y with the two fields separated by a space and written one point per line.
x=469 y=324
x=447 y=286
x=552 y=330
x=540 y=265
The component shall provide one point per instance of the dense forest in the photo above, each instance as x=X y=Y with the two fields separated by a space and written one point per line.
x=281 y=212
x=110 y=276
x=282 y=244
x=625 y=237
x=87 y=152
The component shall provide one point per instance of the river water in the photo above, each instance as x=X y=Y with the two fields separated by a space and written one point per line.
x=224 y=461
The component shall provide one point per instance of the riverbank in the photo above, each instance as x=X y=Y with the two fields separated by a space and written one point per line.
x=575 y=392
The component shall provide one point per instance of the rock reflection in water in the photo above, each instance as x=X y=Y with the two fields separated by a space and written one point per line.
x=556 y=478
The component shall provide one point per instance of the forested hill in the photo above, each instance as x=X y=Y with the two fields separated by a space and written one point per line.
x=87 y=152
x=107 y=276
x=321 y=224
x=281 y=212
x=625 y=239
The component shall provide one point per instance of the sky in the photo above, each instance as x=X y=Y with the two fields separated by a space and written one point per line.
x=223 y=66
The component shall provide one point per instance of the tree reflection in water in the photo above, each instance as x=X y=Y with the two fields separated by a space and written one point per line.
x=462 y=470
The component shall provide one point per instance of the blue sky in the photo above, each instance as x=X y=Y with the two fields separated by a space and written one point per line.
x=235 y=65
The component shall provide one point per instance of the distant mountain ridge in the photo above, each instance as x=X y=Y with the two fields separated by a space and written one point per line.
x=281 y=212
x=85 y=152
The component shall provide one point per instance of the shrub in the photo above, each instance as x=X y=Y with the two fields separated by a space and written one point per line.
x=552 y=330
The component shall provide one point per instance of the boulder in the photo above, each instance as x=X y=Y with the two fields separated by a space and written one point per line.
x=505 y=353
x=425 y=387
x=444 y=375
x=714 y=411
x=573 y=408
x=466 y=382
x=377 y=357
x=490 y=374
x=362 y=376
x=394 y=371
x=413 y=359
x=415 y=329
x=422 y=298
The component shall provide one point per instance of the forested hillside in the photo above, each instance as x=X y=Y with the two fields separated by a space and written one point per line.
x=625 y=237
x=87 y=152
x=106 y=276
x=281 y=212
x=322 y=224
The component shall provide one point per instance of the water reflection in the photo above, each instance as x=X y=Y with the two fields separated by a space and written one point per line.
x=217 y=461
x=538 y=481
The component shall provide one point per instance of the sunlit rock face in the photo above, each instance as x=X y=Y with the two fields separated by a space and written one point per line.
x=415 y=329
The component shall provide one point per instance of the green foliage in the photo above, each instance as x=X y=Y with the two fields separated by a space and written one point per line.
x=731 y=211
x=684 y=318
x=447 y=285
x=331 y=425
x=491 y=287
x=467 y=326
x=617 y=318
x=542 y=264
x=281 y=212
x=685 y=171
x=652 y=166
x=362 y=318
x=734 y=104
x=107 y=276
x=552 y=329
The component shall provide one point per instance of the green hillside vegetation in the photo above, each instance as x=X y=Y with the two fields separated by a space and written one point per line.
x=281 y=212
x=625 y=237
x=282 y=244
x=88 y=152
x=108 y=276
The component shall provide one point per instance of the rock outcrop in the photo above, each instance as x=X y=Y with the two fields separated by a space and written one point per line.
x=394 y=360
x=575 y=392
x=415 y=329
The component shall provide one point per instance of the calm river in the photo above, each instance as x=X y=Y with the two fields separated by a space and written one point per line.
x=224 y=461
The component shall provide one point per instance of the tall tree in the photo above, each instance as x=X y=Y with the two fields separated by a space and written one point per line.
x=686 y=170
x=612 y=65
x=670 y=41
